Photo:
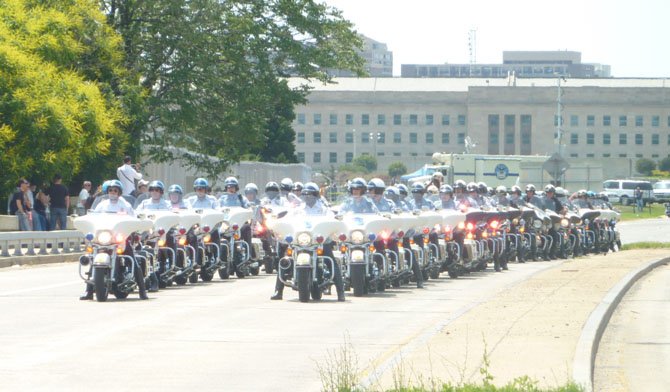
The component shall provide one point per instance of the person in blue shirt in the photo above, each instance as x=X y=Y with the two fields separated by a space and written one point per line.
x=419 y=202
x=393 y=193
x=446 y=201
x=231 y=196
x=201 y=200
x=176 y=198
x=357 y=202
x=155 y=200
x=272 y=196
x=376 y=188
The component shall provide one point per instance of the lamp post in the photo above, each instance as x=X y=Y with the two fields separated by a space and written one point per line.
x=375 y=136
x=354 y=132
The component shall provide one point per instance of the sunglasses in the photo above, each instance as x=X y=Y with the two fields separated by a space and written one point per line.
x=200 y=188
x=113 y=190
x=155 y=190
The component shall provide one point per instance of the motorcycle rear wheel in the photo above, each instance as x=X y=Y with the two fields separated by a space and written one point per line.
x=101 y=290
x=358 y=279
x=206 y=276
x=267 y=262
x=180 y=280
x=193 y=278
x=223 y=273
x=302 y=277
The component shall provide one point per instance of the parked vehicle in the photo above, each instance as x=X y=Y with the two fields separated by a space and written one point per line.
x=625 y=190
x=662 y=191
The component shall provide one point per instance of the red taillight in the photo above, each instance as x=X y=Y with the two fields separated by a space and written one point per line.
x=161 y=231
x=401 y=234
x=494 y=224
x=469 y=226
x=319 y=239
x=447 y=229
x=461 y=225
x=426 y=230
x=182 y=231
x=119 y=238
x=235 y=227
x=206 y=229
x=384 y=235
x=342 y=237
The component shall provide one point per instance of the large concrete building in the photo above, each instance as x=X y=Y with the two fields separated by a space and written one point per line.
x=529 y=64
x=609 y=122
x=378 y=60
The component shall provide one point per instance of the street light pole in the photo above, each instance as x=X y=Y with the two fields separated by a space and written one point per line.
x=354 y=132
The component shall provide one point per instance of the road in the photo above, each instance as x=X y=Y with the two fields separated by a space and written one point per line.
x=634 y=354
x=643 y=230
x=220 y=335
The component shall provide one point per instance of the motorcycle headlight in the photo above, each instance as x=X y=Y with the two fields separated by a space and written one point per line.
x=357 y=237
x=104 y=237
x=303 y=259
x=537 y=224
x=565 y=222
x=304 y=239
x=102 y=259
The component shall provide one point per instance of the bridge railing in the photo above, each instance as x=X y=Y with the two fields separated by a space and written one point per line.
x=32 y=243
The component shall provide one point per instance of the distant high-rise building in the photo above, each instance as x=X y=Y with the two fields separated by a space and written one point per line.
x=378 y=60
x=525 y=64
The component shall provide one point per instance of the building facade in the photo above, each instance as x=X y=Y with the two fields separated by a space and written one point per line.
x=378 y=60
x=612 y=122
x=527 y=64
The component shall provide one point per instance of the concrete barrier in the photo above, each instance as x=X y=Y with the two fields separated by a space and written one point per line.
x=11 y=222
x=47 y=242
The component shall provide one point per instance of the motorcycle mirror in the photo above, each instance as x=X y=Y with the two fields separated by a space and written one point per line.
x=141 y=216
x=282 y=214
x=339 y=217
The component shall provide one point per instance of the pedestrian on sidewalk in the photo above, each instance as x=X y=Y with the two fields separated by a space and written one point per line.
x=83 y=196
x=39 y=213
x=639 y=201
x=19 y=205
x=127 y=174
x=59 y=197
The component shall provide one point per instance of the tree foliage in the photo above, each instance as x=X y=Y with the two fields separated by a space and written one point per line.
x=397 y=169
x=213 y=71
x=60 y=67
x=664 y=164
x=645 y=166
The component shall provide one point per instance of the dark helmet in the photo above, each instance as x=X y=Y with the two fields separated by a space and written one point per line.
x=376 y=186
x=418 y=187
x=272 y=186
x=549 y=188
x=530 y=188
x=515 y=189
x=250 y=188
x=447 y=189
x=157 y=185
x=472 y=187
x=357 y=183
x=482 y=188
x=231 y=181
x=174 y=188
x=604 y=197
x=200 y=183
x=402 y=188
x=286 y=184
x=310 y=189
x=460 y=184
x=297 y=186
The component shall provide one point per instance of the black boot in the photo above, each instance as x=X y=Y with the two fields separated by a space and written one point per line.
x=139 y=278
x=88 y=294
x=279 y=290
x=339 y=284
x=154 y=283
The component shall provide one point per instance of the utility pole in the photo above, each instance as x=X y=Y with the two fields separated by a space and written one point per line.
x=472 y=48
x=354 y=132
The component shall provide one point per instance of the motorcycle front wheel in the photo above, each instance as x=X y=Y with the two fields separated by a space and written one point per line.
x=303 y=279
x=358 y=279
x=100 y=284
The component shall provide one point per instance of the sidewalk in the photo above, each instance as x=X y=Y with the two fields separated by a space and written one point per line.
x=530 y=329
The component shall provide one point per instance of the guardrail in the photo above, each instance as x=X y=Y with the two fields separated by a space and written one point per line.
x=48 y=242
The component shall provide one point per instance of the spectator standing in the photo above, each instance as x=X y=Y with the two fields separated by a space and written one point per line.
x=18 y=205
x=40 y=211
x=639 y=202
x=127 y=174
x=60 y=203
x=83 y=196
x=141 y=194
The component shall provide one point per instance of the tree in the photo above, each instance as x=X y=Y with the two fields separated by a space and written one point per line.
x=213 y=71
x=397 y=169
x=664 y=164
x=367 y=162
x=59 y=67
x=644 y=166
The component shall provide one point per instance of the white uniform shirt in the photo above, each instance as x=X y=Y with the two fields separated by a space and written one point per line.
x=208 y=202
x=127 y=175
x=83 y=195
x=120 y=205
x=149 y=204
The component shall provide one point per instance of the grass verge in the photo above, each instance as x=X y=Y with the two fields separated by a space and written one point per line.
x=650 y=211
x=646 y=245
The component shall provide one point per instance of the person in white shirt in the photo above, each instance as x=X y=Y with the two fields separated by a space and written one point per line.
x=127 y=175
x=155 y=201
x=115 y=203
x=83 y=195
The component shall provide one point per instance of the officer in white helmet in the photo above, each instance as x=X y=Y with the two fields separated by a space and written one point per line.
x=285 y=189
x=155 y=200
x=201 y=200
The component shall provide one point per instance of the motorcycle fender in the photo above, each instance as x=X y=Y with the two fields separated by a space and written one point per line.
x=102 y=260
x=303 y=259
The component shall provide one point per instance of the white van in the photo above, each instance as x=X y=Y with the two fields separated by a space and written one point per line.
x=662 y=190
x=625 y=190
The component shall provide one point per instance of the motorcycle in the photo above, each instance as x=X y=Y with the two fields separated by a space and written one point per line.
x=235 y=251
x=186 y=266
x=109 y=255
x=209 y=258
x=160 y=246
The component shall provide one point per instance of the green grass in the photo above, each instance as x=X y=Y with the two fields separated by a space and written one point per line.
x=650 y=211
x=646 y=245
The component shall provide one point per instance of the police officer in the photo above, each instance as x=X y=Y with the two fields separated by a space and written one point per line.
x=272 y=196
x=404 y=192
x=201 y=200
x=551 y=202
x=115 y=203
x=393 y=193
x=232 y=198
x=500 y=198
x=297 y=190
x=176 y=198
x=314 y=206
x=251 y=194
x=155 y=200
x=471 y=198
x=419 y=202
x=446 y=201
x=285 y=188
x=357 y=202
x=376 y=188
x=530 y=197
x=515 y=198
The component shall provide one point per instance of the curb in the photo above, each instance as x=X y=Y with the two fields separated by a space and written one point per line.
x=594 y=327
x=6 y=262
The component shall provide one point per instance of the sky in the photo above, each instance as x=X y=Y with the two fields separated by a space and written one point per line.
x=630 y=36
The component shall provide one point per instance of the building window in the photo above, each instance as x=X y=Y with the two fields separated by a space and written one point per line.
x=397 y=119
x=365 y=119
x=639 y=139
x=429 y=119
x=332 y=157
x=445 y=138
x=509 y=138
x=590 y=138
x=396 y=154
x=606 y=138
x=558 y=120
x=638 y=155
x=590 y=155
x=639 y=121
x=317 y=137
x=317 y=118
x=381 y=137
x=574 y=138
x=412 y=137
x=333 y=119
x=301 y=118
x=607 y=155
x=301 y=157
x=317 y=157
x=574 y=120
x=623 y=138
x=381 y=119
x=429 y=138
x=348 y=157
x=413 y=154
x=365 y=137
x=397 y=137
x=333 y=137
x=494 y=134
x=413 y=119
x=623 y=155
x=461 y=119
x=301 y=137
x=655 y=121
x=447 y=121
x=349 y=119
x=349 y=137
x=573 y=155
x=623 y=121
x=654 y=139
x=526 y=133
x=654 y=155
x=607 y=121
x=461 y=138
x=590 y=120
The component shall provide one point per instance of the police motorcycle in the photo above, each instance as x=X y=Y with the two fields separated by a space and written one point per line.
x=450 y=248
x=112 y=265
x=430 y=222
x=608 y=233
x=235 y=251
x=306 y=267
x=401 y=224
x=186 y=267
x=159 y=244
x=209 y=258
